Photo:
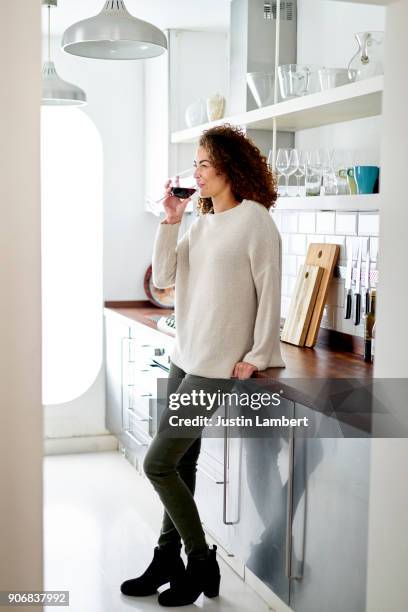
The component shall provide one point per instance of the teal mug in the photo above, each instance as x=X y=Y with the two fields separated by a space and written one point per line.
x=366 y=178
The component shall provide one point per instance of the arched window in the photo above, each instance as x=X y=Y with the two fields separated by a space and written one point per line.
x=72 y=243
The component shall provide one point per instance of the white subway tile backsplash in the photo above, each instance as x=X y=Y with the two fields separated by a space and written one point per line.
x=300 y=260
x=289 y=265
x=368 y=224
x=284 y=286
x=325 y=222
x=297 y=244
x=341 y=241
x=346 y=223
x=290 y=222
x=285 y=304
x=307 y=222
x=291 y=284
x=285 y=243
x=312 y=238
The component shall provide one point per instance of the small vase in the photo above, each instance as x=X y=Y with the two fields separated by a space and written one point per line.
x=196 y=113
x=215 y=107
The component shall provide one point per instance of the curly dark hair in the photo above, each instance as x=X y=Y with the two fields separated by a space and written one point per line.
x=246 y=169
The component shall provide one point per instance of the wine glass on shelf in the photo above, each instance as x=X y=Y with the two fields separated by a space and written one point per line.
x=293 y=163
x=301 y=169
x=282 y=165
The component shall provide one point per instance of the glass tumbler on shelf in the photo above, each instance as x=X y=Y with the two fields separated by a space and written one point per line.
x=313 y=174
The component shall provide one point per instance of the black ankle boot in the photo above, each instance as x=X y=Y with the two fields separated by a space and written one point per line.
x=202 y=575
x=166 y=566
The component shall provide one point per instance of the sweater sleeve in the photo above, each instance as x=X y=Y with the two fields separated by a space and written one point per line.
x=164 y=259
x=266 y=257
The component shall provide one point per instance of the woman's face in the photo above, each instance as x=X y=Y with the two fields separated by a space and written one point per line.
x=210 y=183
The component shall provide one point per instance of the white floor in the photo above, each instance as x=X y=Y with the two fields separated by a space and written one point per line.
x=100 y=526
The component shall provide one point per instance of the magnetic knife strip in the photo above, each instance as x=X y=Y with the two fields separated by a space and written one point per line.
x=340 y=272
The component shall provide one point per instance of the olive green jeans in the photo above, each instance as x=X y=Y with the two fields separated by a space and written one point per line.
x=171 y=463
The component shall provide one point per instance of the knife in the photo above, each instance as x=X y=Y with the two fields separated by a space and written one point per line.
x=357 y=294
x=347 y=284
x=367 y=280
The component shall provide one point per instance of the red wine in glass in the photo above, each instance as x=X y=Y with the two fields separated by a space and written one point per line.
x=183 y=192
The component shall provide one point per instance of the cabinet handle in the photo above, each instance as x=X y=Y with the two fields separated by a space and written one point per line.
x=225 y=483
x=289 y=510
x=289 y=506
x=133 y=437
x=209 y=475
x=134 y=413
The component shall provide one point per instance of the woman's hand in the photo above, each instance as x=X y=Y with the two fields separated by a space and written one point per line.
x=243 y=369
x=173 y=206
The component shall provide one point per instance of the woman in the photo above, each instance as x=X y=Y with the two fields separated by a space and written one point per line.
x=227 y=274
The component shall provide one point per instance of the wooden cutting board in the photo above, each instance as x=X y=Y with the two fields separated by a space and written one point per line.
x=302 y=304
x=324 y=256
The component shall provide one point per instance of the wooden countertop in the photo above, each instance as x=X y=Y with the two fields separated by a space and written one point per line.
x=341 y=374
x=318 y=362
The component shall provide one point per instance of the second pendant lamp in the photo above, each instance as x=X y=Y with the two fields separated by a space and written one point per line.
x=114 y=34
x=56 y=91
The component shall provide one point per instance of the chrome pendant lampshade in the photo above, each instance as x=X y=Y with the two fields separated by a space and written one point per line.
x=114 y=34
x=56 y=91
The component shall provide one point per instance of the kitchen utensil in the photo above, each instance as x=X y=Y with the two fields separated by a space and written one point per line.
x=335 y=77
x=367 y=279
x=366 y=178
x=347 y=284
x=297 y=80
x=196 y=113
x=325 y=256
x=215 y=107
x=262 y=87
x=357 y=293
x=164 y=298
x=368 y=60
x=302 y=304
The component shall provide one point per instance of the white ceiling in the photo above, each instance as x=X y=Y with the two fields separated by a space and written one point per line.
x=183 y=14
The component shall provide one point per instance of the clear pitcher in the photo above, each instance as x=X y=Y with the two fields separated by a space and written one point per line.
x=368 y=60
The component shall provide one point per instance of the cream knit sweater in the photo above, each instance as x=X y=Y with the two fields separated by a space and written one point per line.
x=227 y=275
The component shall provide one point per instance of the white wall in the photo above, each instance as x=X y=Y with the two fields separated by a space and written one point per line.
x=115 y=103
x=388 y=521
x=21 y=559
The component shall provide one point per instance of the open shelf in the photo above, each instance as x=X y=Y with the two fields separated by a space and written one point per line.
x=355 y=203
x=352 y=101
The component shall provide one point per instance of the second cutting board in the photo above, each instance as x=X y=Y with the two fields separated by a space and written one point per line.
x=302 y=304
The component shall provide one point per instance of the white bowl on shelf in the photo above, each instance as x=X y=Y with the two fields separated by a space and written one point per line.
x=335 y=77
x=196 y=113
x=262 y=87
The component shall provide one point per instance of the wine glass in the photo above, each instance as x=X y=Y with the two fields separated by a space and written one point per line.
x=301 y=169
x=293 y=164
x=282 y=164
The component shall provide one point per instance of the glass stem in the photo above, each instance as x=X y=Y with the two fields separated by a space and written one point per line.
x=298 y=185
x=287 y=185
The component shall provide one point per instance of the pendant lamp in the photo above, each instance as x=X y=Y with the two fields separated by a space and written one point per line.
x=56 y=91
x=114 y=34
